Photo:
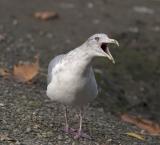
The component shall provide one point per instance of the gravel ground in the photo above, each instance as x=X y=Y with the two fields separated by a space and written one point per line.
x=27 y=115
x=29 y=118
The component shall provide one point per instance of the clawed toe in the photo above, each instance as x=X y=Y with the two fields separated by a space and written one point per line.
x=69 y=130
x=78 y=135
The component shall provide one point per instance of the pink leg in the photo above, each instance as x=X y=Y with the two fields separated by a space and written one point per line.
x=66 y=128
x=80 y=134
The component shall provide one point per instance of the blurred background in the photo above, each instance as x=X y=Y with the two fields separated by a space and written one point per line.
x=131 y=85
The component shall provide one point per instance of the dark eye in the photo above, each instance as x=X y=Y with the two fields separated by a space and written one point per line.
x=96 y=38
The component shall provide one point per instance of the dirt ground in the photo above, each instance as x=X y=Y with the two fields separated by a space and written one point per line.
x=28 y=117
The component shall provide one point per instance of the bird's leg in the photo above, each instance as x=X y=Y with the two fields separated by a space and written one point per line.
x=80 y=133
x=80 y=121
x=66 y=129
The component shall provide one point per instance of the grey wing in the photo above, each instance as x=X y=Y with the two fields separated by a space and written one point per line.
x=51 y=65
x=93 y=82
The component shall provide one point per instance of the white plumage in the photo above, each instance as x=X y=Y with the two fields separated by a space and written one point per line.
x=70 y=82
x=71 y=79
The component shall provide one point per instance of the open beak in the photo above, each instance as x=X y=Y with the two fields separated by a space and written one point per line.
x=105 y=48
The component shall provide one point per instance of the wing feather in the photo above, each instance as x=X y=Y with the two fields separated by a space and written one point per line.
x=52 y=64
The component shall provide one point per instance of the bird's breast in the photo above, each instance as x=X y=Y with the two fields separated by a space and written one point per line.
x=71 y=87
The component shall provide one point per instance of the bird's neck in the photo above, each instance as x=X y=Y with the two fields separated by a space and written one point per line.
x=81 y=53
x=81 y=59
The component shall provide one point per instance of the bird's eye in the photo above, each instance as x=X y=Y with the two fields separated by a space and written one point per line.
x=96 y=38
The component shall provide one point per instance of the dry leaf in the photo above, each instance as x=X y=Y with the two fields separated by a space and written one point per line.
x=4 y=137
x=4 y=72
x=26 y=72
x=135 y=135
x=46 y=15
x=151 y=127
x=2 y=37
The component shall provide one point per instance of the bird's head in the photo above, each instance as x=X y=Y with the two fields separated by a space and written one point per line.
x=98 y=46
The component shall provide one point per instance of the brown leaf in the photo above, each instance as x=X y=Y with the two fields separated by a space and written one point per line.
x=151 y=127
x=135 y=135
x=2 y=37
x=26 y=72
x=46 y=15
x=4 y=72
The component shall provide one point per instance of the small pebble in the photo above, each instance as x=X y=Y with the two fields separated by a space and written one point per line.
x=109 y=140
x=28 y=129
x=90 y=5
x=49 y=35
x=1 y=105
x=15 y=22
x=96 y=21
x=133 y=29
x=60 y=137
x=143 y=10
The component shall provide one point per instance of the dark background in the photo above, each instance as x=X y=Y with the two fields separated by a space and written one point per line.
x=131 y=85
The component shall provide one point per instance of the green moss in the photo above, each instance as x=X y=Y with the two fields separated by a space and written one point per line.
x=34 y=103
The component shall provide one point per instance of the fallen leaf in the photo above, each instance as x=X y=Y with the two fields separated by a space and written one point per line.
x=4 y=72
x=135 y=135
x=26 y=72
x=2 y=37
x=4 y=137
x=151 y=127
x=46 y=15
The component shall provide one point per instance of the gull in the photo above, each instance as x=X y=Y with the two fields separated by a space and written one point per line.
x=71 y=79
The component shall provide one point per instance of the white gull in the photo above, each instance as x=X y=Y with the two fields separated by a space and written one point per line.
x=71 y=79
